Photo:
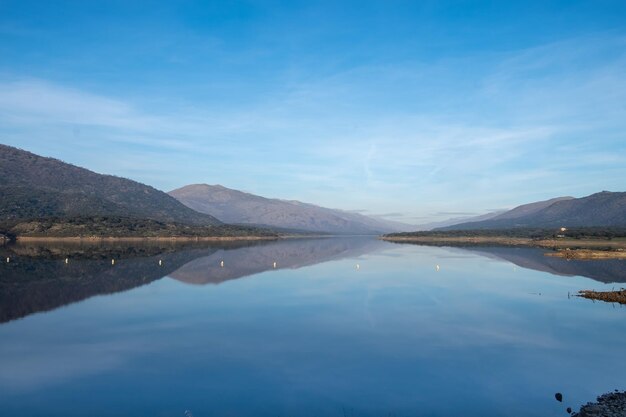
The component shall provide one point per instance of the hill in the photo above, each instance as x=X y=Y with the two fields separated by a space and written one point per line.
x=457 y=220
x=35 y=187
x=604 y=209
x=232 y=206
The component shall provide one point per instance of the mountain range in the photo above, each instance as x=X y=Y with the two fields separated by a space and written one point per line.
x=45 y=196
x=600 y=209
x=35 y=189
x=232 y=206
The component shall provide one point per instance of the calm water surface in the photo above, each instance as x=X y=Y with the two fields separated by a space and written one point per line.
x=492 y=332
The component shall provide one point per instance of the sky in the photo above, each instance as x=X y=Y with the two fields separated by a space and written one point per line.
x=416 y=111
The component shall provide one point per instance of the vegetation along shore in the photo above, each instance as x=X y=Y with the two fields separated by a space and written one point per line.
x=123 y=228
x=603 y=240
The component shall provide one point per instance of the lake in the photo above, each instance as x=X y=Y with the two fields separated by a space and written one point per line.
x=304 y=327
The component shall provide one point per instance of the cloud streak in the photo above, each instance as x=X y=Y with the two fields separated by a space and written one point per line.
x=531 y=124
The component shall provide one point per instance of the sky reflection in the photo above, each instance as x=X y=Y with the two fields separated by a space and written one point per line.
x=395 y=336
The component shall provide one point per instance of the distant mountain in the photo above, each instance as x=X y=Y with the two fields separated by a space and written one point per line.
x=600 y=209
x=516 y=212
x=457 y=220
x=33 y=186
x=529 y=209
x=232 y=206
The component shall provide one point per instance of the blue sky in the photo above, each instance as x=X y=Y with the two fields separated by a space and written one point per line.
x=418 y=111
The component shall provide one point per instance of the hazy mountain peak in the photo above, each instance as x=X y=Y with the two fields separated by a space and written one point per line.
x=233 y=206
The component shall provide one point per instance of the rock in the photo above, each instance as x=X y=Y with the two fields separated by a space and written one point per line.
x=608 y=405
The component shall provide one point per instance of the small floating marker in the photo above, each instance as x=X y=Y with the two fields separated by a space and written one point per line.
x=67 y=260
x=358 y=266
x=112 y=261
x=8 y=259
x=274 y=264
x=437 y=267
x=222 y=264
x=160 y=262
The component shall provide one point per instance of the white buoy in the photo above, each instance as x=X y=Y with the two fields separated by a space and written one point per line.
x=8 y=259
x=222 y=264
x=274 y=264
x=67 y=260
x=437 y=267
x=358 y=266
x=160 y=262
x=112 y=261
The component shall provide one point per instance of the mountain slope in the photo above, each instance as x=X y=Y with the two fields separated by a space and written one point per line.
x=457 y=220
x=234 y=206
x=33 y=186
x=529 y=209
x=600 y=209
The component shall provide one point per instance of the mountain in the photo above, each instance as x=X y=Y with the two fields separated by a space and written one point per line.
x=457 y=220
x=529 y=209
x=232 y=206
x=600 y=209
x=515 y=213
x=33 y=186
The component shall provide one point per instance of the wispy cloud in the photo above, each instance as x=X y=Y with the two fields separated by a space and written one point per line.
x=531 y=124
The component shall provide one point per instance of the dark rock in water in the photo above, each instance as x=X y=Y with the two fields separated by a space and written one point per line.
x=608 y=405
x=559 y=397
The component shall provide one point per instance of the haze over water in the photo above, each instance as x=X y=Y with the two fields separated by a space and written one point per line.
x=482 y=335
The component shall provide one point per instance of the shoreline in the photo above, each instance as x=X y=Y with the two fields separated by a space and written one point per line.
x=44 y=239
x=588 y=254
x=131 y=239
x=509 y=241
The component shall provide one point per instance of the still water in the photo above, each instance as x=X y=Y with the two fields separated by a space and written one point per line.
x=337 y=327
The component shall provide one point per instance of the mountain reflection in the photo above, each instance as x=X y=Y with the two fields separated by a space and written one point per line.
x=37 y=278
x=606 y=270
x=292 y=254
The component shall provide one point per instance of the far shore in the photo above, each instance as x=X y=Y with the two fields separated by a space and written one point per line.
x=510 y=241
x=52 y=239
x=135 y=239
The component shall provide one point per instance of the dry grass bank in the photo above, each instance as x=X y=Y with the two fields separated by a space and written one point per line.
x=608 y=296
x=510 y=241
x=588 y=254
